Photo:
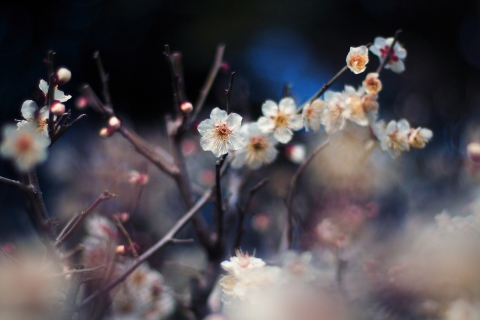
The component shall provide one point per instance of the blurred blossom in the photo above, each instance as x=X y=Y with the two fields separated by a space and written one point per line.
x=281 y=119
x=419 y=137
x=220 y=133
x=473 y=150
x=353 y=98
x=336 y=112
x=463 y=310
x=357 y=59
x=312 y=115
x=24 y=146
x=372 y=84
x=394 y=137
x=296 y=152
x=31 y=115
x=137 y=178
x=380 y=48
x=261 y=222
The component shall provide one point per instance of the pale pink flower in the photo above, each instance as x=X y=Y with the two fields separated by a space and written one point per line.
x=281 y=119
x=24 y=146
x=336 y=112
x=380 y=48
x=372 y=84
x=241 y=262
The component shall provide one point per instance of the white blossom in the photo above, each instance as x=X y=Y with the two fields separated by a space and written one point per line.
x=58 y=95
x=282 y=120
x=357 y=59
x=419 y=137
x=241 y=262
x=380 y=48
x=336 y=112
x=260 y=148
x=312 y=115
x=24 y=146
x=29 y=113
x=353 y=98
x=394 y=137
x=221 y=132
x=372 y=84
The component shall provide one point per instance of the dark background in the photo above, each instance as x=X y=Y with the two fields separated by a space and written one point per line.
x=268 y=43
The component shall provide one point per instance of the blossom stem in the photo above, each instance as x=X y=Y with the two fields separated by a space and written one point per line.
x=104 y=80
x=389 y=52
x=242 y=211
x=167 y=238
x=84 y=214
x=176 y=79
x=220 y=213
x=228 y=92
x=39 y=204
x=217 y=63
x=50 y=92
x=127 y=236
x=292 y=189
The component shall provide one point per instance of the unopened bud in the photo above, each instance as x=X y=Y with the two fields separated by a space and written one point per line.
x=81 y=102
x=473 y=150
x=120 y=250
x=114 y=123
x=138 y=178
x=186 y=107
x=124 y=216
x=57 y=108
x=63 y=76
x=296 y=153
x=106 y=132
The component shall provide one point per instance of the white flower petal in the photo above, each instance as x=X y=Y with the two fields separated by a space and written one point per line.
x=265 y=124
x=269 y=108
x=295 y=122
x=397 y=67
x=391 y=127
x=59 y=95
x=29 y=108
x=403 y=126
x=205 y=126
x=236 y=142
x=234 y=121
x=283 y=134
x=238 y=162
x=218 y=115
x=426 y=134
x=43 y=85
x=287 y=106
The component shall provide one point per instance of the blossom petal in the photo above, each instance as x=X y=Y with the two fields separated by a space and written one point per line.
x=283 y=134
x=391 y=127
x=205 y=126
x=236 y=142
x=29 y=108
x=397 y=67
x=269 y=108
x=218 y=115
x=265 y=124
x=238 y=162
x=426 y=134
x=59 y=95
x=295 y=122
x=234 y=121
x=403 y=126
x=287 y=106
x=43 y=85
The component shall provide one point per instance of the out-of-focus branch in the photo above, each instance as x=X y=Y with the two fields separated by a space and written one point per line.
x=219 y=203
x=217 y=63
x=84 y=214
x=69 y=307
x=14 y=183
x=178 y=96
x=242 y=211
x=38 y=204
x=389 y=52
x=104 y=79
x=228 y=92
x=143 y=257
x=120 y=226
x=292 y=188
x=51 y=91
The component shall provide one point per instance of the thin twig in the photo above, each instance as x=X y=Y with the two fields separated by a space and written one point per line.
x=228 y=92
x=181 y=241
x=84 y=214
x=73 y=271
x=175 y=78
x=389 y=52
x=69 y=307
x=38 y=204
x=217 y=63
x=64 y=128
x=127 y=236
x=68 y=226
x=292 y=189
x=14 y=183
x=162 y=242
x=242 y=211
x=220 y=213
x=67 y=255
x=104 y=80
x=51 y=92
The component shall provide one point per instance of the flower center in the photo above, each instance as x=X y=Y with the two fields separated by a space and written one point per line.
x=41 y=124
x=280 y=120
x=384 y=51
x=395 y=143
x=223 y=131
x=24 y=144
x=359 y=61
x=258 y=143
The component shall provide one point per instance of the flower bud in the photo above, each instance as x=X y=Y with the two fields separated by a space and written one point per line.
x=120 y=250
x=81 y=102
x=106 y=132
x=57 y=108
x=296 y=153
x=473 y=150
x=186 y=107
x=63 y=76
x=137 y=178
x=114 y=123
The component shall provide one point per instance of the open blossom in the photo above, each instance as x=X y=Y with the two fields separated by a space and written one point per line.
x=336 y=112
x=353 y=98
x=394 y=137
x=29 y=111
x=260 y=148
x=357 y=59
x=241 y=262
x=372 y=85
x=24 y=146
x=282 y=120
x=312 y=115
x=419 y=137
x=58 y=95
x=221 y=132
x=380 y=48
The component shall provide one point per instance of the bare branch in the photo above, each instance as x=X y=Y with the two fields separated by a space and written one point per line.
x=51 y=91
x=14 y=183
x=292 y=189
x=142 y=258
x=104 y=80
x=217 y=63
x=103 y=197
x=127 y=236
x=69 y=307
x=219 y=202
x=228 y=92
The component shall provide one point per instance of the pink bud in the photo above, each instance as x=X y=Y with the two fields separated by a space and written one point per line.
x=296 y=153
x=261 y=222
x=81 y=102
x=114 y=123
x=186 y=107
x=63 y=76
x=473 y=150
x=138 y=178
x=106 y=132
x=57 y=108
x=120 y=250
x=124 y=216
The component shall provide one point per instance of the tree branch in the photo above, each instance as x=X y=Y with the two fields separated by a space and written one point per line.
x=389 y=52
x=292 y=189
x=51 y=91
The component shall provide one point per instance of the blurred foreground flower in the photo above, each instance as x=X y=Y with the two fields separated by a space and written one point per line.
x=312 y=115
x=380 y=48
x=24 y=146
x=221 y=132
x=282 y=120
x=29 y=113
x=357 y=59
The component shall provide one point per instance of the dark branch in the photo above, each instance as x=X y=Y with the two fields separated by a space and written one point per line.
x=228 y=92
x=104 y=80
x=219 y=202
x=51 y=91
x=390 y=50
